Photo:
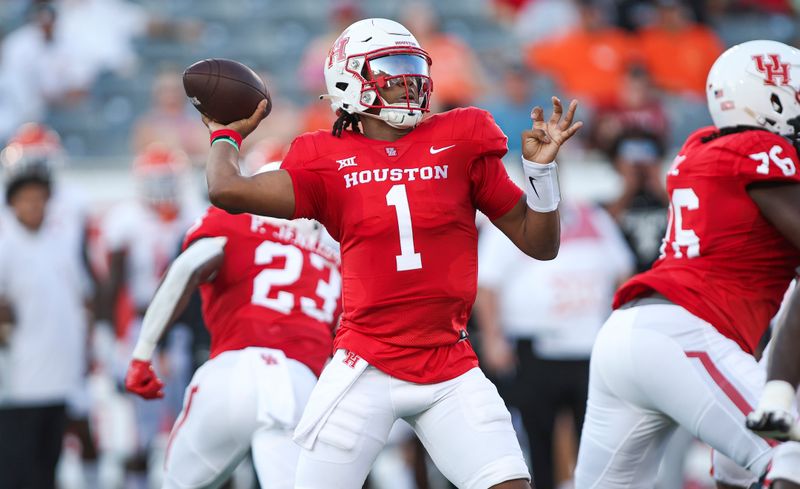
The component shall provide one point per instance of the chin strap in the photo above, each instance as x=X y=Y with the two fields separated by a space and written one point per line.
x=397 y=117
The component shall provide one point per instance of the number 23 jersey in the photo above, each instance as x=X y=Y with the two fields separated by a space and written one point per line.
x=721 y=259
x=404 y=214
x=274 y=289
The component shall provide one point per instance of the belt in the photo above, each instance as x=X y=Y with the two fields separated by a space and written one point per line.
x=653 y=299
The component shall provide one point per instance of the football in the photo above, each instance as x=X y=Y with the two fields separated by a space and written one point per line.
x=224 y=90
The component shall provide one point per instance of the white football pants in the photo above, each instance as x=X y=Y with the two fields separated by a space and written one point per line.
x=238 y=401
x=463 y=423
x=655 y=366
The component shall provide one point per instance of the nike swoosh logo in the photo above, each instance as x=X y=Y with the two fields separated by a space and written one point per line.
x=531 y=179
x=439 y=150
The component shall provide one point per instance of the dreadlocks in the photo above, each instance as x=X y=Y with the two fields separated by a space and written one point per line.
x=729 y=130
x=344 y=121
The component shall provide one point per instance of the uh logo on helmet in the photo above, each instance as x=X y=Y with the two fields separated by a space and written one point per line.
x=756 y=83
x=372 y=55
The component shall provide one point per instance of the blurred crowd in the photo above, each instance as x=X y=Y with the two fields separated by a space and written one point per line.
x=76 y=276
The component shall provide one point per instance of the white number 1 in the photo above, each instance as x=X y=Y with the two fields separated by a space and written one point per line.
x=407 y=259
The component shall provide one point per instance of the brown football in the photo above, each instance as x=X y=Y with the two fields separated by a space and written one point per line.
x=224 y=90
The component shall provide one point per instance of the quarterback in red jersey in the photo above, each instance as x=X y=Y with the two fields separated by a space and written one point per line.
x=678 y=349
x=270 y=296
x=400 y=194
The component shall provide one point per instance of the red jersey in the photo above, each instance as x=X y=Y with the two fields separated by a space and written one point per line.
x=721 y=259
x=274 y=289
x=404 y=213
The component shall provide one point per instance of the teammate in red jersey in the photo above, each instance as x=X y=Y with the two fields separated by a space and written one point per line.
x=401 y=198
x=678 y=348
x=270 y=296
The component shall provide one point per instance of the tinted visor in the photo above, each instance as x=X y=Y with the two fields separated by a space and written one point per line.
x=398 y=64
x=395 y=70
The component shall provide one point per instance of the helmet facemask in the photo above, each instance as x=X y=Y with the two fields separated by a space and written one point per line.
x=158 y=175
x=396 y=85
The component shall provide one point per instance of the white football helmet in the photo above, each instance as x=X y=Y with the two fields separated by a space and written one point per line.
x=34 y=150
x=756 y=83
x=378 y=53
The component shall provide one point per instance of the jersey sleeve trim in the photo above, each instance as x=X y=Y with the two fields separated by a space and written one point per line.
x=211 y=225
x=506 y=208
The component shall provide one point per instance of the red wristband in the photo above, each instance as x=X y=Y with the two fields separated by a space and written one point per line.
x=227 y=133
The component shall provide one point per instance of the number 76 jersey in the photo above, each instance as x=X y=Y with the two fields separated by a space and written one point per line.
x=720 y=258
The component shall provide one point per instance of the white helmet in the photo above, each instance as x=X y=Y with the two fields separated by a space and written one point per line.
x=372 y=54
x=756 y=83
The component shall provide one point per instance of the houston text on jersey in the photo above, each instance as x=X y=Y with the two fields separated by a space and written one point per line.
x=436 y=172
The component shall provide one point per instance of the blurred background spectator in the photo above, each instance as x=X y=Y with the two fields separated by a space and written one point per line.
x=45 y=291
x=170 y=119
x=633 y=133
x=517 y=91
x=38 y=67
x=674 y=36
x=589 y=61
x=105 y=74
x=460 y=79
x=538 y=20
x=318 y=115
x=142 y=237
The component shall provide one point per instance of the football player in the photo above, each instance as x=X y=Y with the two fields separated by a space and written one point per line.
x=400 y=194
x=775 y=416
x=678 y=349
x=45 y=285
x=142 y=236
x=270 y=296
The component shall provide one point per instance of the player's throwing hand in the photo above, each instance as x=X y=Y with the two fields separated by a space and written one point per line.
x=540 y=143
x=244 y=126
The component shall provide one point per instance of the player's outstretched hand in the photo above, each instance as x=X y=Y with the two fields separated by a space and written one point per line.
x=540 y=143
x=142 y=380
x=774 y=416
x=774 y=423
x=245 y=126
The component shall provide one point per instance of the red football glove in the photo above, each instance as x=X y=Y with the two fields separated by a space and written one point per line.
x=142 y=380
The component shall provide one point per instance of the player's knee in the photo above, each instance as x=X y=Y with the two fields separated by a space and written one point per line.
x=728 y=474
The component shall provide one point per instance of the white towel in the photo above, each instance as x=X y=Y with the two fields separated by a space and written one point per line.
x=276 y=403
x=337 y=378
